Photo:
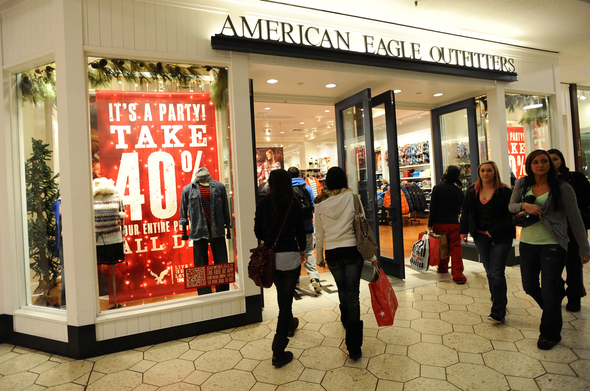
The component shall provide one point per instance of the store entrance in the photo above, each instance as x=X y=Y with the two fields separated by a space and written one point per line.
x=357 y=117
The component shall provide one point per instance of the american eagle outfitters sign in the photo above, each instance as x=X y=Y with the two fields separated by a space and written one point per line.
x=273 y=31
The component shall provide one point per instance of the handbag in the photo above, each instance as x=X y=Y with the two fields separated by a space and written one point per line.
x=365 y=240
x=383 y=299
x=420 y=252
x=262 y=266
x=523 y=219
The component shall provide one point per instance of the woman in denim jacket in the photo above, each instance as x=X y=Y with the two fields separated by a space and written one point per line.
x=543 y=245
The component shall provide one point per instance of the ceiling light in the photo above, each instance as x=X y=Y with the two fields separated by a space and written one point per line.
x=272 y=81
x=397 y=91
x=301 y=123
x=326 y=111
x=307 y=135
x=438 y=94
x=267 y=108
x=583 y=97
x=282 y=132
x=268 y=139
x=533 y=104
x=330 y=85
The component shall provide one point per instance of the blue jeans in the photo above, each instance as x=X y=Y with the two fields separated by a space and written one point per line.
x=493 y=256
x=347 y=274
x=285 y=281
x=548 y=260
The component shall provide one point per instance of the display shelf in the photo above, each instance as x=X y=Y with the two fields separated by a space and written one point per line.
x=414 y=178
x=415 y=165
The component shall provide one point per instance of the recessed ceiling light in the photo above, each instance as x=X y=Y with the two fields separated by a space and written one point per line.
x=397 y=91
x=438 y=94
x=272 y=81
x=301 y=123
x=281 y=132
x=307 y=135
x=326 y=111
x=268 y=139
x=267 y=108
x=330 y=85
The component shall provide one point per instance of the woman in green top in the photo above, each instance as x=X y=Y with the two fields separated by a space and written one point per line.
x=543 y=245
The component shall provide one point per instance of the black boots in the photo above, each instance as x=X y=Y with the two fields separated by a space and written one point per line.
x=279 y=356
x=292 y=327
x=354 y=338
x=574 y=304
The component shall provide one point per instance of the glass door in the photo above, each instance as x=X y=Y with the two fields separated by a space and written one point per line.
x=455 y=138
x=391 y=240
x=356 y=155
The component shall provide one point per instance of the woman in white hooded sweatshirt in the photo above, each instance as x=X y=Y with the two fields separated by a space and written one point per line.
x=334 y=215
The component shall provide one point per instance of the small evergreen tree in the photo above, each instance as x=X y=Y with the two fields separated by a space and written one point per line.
x=42 y=192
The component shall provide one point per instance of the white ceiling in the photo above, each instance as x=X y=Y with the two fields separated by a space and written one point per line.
x=561 y=26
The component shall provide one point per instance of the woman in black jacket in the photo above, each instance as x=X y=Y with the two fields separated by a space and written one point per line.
x=573 y=266
x=486 y=218
x=289 y=251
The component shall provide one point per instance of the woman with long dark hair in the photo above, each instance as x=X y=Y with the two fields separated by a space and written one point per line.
x=282 y=206
x=544 y=245
x=486 y=217
x=575 y=285
x=334 y=215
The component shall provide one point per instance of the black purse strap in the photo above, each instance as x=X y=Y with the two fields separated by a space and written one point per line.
x=281 y=230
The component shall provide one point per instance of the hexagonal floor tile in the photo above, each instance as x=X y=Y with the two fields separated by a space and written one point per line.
x=118 y=361
x=468 y=343
x=431 y=326
x=218 y=360
x=461 y=318
x=476 y=377
x=398 y=336
x=306 y=339
x=211 y=341
x=333 y=330
x=456 y=299
x=513 y=363
x=407 y=296
x=250 y=332
x=266 y=373
x=166 y=351
x=232 y=380
x=551 y=381
x=320 y=316
x=498 y=332
x=323 y=358
x=349 y=379
x=422 y=384
x=394 y=367
x=559 y=353
x=258 y=350
x=167 y=372
x=430 y=290
x=433 y=354
x=430 y=306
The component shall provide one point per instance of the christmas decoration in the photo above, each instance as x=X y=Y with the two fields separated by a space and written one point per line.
x=42 y=192
x=39 y=84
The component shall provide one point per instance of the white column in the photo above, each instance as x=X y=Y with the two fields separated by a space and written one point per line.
x=243 y=165
x=75 y=176
x=498 y=137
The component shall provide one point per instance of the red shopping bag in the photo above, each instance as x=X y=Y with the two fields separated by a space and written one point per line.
x=383 y=299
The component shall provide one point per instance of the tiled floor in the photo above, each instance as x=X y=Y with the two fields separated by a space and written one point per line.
x=441 y=340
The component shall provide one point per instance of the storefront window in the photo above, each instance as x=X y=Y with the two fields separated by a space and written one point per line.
x=162 y=181
x=37 y=123
x=584 y=114
x=527 y=121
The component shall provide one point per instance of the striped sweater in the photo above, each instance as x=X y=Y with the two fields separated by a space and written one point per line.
x=109 y=212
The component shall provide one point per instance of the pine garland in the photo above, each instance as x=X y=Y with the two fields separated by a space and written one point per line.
x=39 y=85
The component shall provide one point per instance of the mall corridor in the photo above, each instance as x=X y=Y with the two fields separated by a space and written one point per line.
x=441 y=340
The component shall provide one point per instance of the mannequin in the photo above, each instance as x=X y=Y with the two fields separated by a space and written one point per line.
x=204 y=203
x=109 y=217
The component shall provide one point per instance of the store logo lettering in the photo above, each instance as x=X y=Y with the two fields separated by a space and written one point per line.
x=277 y=31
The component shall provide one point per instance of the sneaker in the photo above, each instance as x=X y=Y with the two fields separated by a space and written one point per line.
x=317 y=287
x=495 y=318
x=546 y=344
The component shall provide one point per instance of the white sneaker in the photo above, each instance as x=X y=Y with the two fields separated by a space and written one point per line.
x=316 y=285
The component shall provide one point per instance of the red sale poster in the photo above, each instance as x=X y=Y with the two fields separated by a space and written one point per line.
x=150 y=143
x=516 y=150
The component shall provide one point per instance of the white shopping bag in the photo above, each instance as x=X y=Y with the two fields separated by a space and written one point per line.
x=419 y=258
